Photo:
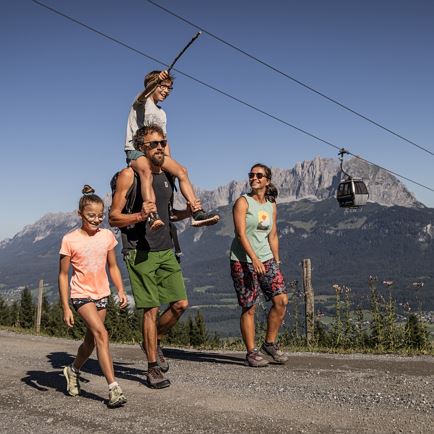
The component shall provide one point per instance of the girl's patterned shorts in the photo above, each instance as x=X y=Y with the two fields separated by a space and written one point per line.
x=100 y=304
x=247 y=282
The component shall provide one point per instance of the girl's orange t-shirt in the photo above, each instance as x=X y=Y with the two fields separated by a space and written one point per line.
x=88 y=259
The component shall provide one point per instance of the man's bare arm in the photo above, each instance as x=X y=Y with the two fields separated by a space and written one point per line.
x=116 y=217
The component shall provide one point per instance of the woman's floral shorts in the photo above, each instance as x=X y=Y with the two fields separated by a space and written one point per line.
x=247 y=282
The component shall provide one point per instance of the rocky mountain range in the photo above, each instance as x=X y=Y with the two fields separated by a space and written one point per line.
x=318 y=179
x=391 y=237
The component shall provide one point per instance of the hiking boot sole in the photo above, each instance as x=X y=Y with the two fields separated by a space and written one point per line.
x=255 y=366
x=161 y=385
x=207 y=222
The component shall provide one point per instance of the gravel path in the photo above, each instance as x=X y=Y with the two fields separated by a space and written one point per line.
x=214 y=392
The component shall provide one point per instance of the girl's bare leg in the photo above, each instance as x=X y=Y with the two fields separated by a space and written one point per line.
x=94 y=320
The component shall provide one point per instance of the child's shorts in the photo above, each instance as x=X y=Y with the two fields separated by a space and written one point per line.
x=133 y=155
x=247 y=282
x=100 y=304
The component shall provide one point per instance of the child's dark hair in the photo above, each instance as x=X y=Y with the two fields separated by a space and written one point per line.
x=142 y=132
x=88 y=197
x=152 y=78
x=271 y=191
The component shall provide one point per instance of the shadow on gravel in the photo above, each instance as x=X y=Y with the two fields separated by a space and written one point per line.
x=201 y=356
x=45 y=380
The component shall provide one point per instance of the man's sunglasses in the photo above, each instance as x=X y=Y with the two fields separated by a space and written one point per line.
x=258 y=175
x=154 y=144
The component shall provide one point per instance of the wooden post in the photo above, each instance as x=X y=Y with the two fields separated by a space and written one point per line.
x=309 y=300
x=39 y=307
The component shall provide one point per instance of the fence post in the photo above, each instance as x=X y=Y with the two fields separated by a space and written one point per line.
x=39 y=307
x=309 y=300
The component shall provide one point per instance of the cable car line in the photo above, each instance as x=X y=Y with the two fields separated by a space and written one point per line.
x=306 y=86
x=223 y=92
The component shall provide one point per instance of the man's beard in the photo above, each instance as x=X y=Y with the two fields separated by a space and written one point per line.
x=157 y=159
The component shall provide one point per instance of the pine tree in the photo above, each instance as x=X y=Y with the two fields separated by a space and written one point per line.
x=14 y=314
x=4 y=312
x=416 y=334
x=27 y=309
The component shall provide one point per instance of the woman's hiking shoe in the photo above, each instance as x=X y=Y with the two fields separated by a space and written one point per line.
x=116 y=397
x=72 y=381
x=272 y=351
x=156 y=379
x=255 y=359
x=154 y=221
x=202 y=218
x=163 y=364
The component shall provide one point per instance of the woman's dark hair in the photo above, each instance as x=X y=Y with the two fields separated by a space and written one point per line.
x=271 y=191
x=88 y=197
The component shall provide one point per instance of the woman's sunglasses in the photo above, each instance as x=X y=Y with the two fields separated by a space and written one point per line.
x=258 y=175
x=154 y=144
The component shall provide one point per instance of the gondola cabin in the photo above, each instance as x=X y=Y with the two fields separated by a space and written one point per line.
x=352 y=193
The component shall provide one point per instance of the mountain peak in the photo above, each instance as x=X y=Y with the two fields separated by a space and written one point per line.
x=318 y=179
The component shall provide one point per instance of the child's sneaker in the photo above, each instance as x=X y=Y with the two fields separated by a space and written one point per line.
x=116 y=397
x=72 y=381
x=154 y=221
x=255 y=359
x=273 y=351
x=202 y=218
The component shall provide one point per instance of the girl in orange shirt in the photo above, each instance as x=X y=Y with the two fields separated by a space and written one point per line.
x=87 y=250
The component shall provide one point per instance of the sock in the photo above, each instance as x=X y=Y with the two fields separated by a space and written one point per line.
x=111 y=385
x=269 y=344
x=152 y=364
x=74 y=369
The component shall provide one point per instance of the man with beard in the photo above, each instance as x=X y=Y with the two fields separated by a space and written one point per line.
x=154 y=272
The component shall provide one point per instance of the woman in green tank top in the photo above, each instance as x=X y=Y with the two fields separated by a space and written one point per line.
x=255 y=265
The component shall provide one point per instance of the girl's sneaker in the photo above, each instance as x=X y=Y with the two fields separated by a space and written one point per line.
x=116 y=397
x=72 y=381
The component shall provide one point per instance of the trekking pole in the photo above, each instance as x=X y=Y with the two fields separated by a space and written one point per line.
x=145 y=94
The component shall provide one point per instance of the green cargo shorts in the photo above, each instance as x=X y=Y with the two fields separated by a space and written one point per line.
x=155 y=278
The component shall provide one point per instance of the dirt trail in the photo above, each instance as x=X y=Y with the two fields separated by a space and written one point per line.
x=214 y=392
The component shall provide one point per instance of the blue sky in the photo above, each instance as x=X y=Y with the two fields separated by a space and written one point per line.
x=65 y=92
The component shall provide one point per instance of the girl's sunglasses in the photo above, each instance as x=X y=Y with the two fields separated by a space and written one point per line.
x=258 y=175
x=154 y=144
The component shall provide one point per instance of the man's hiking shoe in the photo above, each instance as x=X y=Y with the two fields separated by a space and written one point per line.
x=72 y=381
x=202 y=218
x=116 y=398
x=156 y=379
x=273 y=352
x=163 y=364
x=154 y=221
x=255 y=359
